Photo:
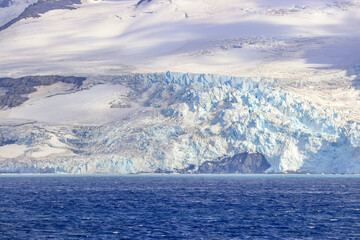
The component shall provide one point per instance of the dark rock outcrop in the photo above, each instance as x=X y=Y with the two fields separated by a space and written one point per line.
x=17 y=89
x=5 y=3
x=41 y=7
x=4 y=142
x=163 y=171
x=239 y=163
x=142 y=1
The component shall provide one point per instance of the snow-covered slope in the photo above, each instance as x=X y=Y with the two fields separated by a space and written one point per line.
x=10 y=9
x=35 y=10
x=269 y=38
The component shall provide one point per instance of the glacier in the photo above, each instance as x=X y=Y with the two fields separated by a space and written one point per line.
x=176 y=120
x=294 y=101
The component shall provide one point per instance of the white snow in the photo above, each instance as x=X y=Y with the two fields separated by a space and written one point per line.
x=188 y=119
x=14 y=10
x=46 y=151
x=187 y=36
x=54 y=104
x=296 y=100
x=12 y=150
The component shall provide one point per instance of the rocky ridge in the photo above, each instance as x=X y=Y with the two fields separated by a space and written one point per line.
x=36 y=9
x=245 y=163
x=17 y=89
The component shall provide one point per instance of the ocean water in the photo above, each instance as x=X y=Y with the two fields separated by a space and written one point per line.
x=180 y=207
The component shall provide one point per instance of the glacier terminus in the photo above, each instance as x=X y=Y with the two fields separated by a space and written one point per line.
x=170 y=121
x=179 y=86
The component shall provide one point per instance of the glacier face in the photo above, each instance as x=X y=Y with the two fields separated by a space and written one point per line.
x=187 y=119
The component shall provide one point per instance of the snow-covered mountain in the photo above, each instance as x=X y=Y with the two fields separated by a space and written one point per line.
x=11 y=9
x=271 y=38
x=171 y=85
x=33 y=10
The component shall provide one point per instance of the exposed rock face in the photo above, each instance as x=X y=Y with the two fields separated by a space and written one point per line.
x=142 y=1
x=41 y=7
x=239 y=163
x=4 y=141
x=19 y=88
x=5 y=3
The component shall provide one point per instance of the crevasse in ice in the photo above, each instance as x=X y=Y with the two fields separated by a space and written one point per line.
x=192 y=118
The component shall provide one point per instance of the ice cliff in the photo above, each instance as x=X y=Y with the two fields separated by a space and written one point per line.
x=175 y=120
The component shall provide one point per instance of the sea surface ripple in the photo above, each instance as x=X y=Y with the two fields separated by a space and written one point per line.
x=180 y=207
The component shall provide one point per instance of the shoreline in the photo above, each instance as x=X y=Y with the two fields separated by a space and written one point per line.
x=285 y=175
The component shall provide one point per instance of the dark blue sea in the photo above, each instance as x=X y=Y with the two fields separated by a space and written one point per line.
x=180 y=207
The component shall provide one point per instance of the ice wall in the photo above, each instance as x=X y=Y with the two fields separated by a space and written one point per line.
x=187 y=119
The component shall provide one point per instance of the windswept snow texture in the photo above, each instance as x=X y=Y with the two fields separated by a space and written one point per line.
x=259 y=38
x=173 y=121
x=41 y=7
